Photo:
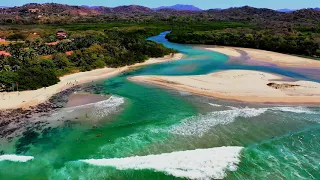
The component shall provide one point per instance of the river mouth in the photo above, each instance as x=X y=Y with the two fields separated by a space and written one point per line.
x=137 y=126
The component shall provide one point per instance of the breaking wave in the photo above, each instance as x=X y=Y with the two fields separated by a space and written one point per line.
x=193 y=164
x=15 y=158
x=112 y=101
x=107 y=107
x=198 y=125
x=94 y=110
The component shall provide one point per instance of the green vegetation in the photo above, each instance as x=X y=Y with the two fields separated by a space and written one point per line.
x=282 y=40
x=34 y=64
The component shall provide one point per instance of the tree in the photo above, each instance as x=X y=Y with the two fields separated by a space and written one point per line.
x=36 y=77
x=48 y=64
x=61 y=60
x=7 y=79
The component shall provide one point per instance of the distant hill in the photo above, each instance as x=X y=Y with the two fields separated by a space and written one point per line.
x=52 y=12
x=292 y=10
x=180 y=7
x=48 y=9
x=286 y=10
x=132 y=9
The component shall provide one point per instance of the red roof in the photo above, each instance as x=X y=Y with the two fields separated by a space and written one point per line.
x=52 y=43
x=69 y=53
x=4 y=53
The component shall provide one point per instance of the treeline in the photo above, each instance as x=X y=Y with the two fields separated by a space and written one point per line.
x=284 y=41
x=31 y=69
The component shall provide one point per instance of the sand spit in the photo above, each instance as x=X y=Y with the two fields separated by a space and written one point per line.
x=268 y=56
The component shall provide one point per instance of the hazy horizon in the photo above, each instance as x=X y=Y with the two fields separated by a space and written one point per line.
x=203 y=4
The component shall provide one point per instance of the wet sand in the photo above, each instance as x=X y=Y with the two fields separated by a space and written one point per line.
x=78 y=99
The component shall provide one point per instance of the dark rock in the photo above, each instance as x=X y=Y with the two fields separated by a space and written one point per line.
x=28 y=116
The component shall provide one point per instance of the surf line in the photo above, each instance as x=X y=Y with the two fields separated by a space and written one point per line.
x=15 y=158
x=192 y=164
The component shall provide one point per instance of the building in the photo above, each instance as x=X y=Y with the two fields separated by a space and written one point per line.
x=36 y=10
x=2 y=40
x=4 y=53
x=61 y=35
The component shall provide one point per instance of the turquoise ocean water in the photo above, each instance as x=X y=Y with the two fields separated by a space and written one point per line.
x=147 y=132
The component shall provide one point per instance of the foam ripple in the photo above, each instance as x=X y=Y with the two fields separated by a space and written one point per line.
x=214 y=105
x=298 y=109
x=193 y=164
x=15 y=158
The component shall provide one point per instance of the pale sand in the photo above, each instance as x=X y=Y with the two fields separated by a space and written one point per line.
x=241 y=85
x=268 y=56
x=226 y=50
x=25 y=99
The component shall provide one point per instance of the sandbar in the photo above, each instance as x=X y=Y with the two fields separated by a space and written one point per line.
x=242 y=85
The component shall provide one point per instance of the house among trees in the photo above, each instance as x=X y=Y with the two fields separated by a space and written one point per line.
x=2 y=40
x=4 y=53
x=61 y=35
x=35 y=10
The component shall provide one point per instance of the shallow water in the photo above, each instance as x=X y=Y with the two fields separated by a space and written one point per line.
x=147 y=132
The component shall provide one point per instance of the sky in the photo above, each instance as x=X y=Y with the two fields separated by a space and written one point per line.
x=203 y=4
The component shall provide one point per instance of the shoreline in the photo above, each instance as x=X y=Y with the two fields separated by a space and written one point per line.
x=265 y=56
x=236 y=85
x=25 y=99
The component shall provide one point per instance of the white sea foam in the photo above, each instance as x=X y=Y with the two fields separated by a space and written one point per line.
x=112 y=101
x=198 y=125
x=214 y=105
x=184 y=93
x=15 y=158
x=99 y=109
x=193 y=164
x=104 y=108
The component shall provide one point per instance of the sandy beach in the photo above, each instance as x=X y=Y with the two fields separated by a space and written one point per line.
x=12 y=100
x=267 y=56
x=242 y=85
